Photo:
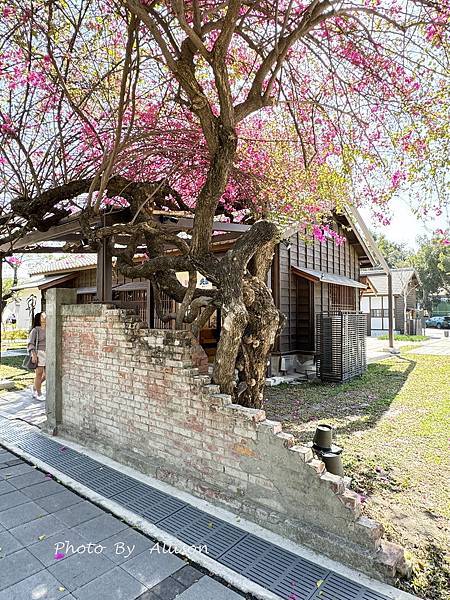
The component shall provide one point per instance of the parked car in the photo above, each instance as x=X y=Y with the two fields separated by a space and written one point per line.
x=439 y=322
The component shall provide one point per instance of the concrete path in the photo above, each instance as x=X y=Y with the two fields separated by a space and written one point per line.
x=54 y=544
x=437 y=344
x=379 y=349
x=14 y=352
x=21 y=405
x=437 y=347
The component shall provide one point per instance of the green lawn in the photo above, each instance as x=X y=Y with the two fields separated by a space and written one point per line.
x=400 y=337
x=394 y=426
x=11 y=368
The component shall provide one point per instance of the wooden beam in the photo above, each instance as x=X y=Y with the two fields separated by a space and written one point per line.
x=186 y=224
x=42 y=236
x=44 y=250
x=104 y=273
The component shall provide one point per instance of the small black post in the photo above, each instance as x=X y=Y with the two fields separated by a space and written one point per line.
x=390 y=309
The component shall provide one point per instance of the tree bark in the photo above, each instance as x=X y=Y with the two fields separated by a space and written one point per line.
x=263 y=325
x=251 y=321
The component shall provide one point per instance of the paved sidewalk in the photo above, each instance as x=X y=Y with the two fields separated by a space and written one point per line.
x=21 y=405
x=437 y=347
x=379 y=349
x=33 y=509
x=54 y=544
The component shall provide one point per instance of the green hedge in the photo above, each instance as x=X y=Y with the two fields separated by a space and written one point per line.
x=15 y=334
x=405 y=338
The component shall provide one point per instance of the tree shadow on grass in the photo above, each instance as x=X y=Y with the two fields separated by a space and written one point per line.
x=350 y=407
x=431 y=573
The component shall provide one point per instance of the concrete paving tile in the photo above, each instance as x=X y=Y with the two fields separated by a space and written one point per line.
x=12 y=462
x=78 y=513
x=17 y=566
x=79 y=569
x=6 y=487
x=12 y=499
x=64 y=542
x=10 y=472
x=188 y=575
x=6 y=457
x=34 y=476
x=57 y=502
x=29 y=533
x=148 y=596
x=168 y=589
x=113 y=585
x=100 y=528
x=40 y=586
x=21 y=514
x=150 y=568
x=40 y=490
x=8 y=544
x=207 y=589
x=119 y=546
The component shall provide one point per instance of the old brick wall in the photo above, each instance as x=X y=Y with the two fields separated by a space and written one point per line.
x=142 y=397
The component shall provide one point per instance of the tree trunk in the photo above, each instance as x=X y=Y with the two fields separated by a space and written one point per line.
x=264 y=323
x=252 y=320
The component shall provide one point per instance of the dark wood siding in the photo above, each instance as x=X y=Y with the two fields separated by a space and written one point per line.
x=326 y=257
x=304 y=298
x=399 y=303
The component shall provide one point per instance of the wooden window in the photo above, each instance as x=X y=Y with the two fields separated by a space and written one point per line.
x=342 y=297
x=379 y=312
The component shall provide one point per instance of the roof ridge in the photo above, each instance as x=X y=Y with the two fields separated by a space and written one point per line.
x=66 y=263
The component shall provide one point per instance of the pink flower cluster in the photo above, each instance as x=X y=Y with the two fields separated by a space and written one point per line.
x=324 y=233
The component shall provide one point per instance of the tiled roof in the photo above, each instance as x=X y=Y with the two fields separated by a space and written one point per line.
x=67 y=263
x=378 y=279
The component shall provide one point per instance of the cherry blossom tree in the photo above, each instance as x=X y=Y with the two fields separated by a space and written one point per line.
x=252 y=111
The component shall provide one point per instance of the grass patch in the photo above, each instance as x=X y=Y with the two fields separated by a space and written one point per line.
x=400 y=337
x=393 y=425
x=11 y=368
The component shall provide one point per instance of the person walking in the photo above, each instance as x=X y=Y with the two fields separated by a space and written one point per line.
x=36 y=347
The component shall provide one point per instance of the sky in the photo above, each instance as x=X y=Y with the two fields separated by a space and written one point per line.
x=405 y=227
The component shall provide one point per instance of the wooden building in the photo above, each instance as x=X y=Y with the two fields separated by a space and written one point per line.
x=307 y=278
x=374 y=302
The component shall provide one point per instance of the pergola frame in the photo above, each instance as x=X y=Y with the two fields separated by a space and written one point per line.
x=70 y=232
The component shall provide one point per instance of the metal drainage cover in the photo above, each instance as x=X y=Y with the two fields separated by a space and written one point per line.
x=282 y=572
x=148 y=502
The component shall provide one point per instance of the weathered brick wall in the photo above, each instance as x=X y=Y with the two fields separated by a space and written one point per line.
x=142 y=397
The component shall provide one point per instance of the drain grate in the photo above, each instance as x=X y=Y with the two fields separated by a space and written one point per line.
x=197 y=528
x=336 y=587
x=270 y=566
x=148 y=502
x=106 y=481
x=301 y=580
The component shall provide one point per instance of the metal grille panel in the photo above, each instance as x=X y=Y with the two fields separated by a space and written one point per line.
x=147 y=502
x=282 y=572
x=341 y=345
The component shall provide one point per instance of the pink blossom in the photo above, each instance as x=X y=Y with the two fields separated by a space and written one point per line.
x=397 y=178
